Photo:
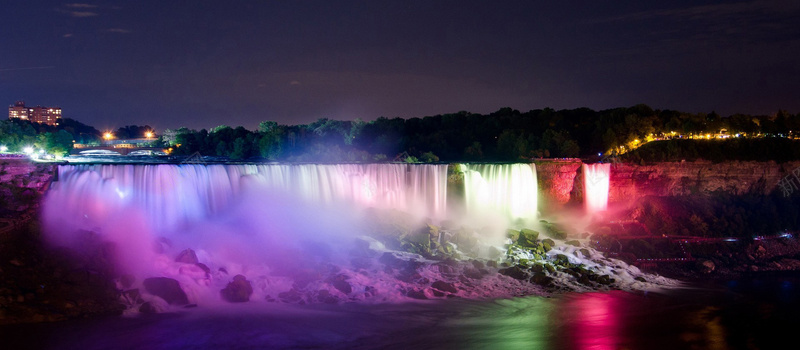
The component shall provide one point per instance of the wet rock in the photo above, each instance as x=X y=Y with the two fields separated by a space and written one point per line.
x=640 y=279
x=562 y=260
x=237 y=291
x=541 y=279
x=340 y=283
x=473 y=273
x=605 y=280
x=167 y=289
x=528 y=238
x=292 y=296
x=478 y=264
x=444 y=286
x=204 y=268
x=491 y=263
x=513 y=235
x=574 y=243
x=514 y=272
x=148 y=308
x=187 y=256
x=548 y=244
x=324 y=296
x=416 y=294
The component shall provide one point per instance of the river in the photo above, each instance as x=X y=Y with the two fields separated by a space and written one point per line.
x=754 y=312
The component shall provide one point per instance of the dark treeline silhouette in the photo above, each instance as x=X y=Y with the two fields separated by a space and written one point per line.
x=741 y=149
x=505 y=135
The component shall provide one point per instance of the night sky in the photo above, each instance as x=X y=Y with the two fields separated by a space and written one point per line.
x=204 y=63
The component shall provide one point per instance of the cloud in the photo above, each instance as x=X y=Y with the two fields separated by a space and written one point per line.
x=68 y=35
x=294 y=82
x=82 y=14
x=118 y=30
x=84 y=6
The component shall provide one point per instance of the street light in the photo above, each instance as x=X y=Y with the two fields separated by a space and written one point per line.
x=148 y=134
x=108 y=135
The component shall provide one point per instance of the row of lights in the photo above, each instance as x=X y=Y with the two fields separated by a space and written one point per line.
x=109 y=135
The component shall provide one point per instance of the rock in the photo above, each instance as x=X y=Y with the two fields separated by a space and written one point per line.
x=340 y=283
x=514 y=272
x=148 y=308
x=478 y=264
x=326 y=297
x=237 y=291
x=204 y=268
x=473 y=273
x=562 y=260
x=167 y=289
x=513 y=235
x=528 y=238
x=491 y=263
x=187 y=256
x=292 y=296
x=444 y=286
x=640 y=279
x=605 y=280
x=548 y=244
x=541 y=279
x=706 y=266
x=416 y=294
x=574 y=243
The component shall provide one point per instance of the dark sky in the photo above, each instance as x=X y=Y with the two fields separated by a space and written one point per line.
x=170 y=63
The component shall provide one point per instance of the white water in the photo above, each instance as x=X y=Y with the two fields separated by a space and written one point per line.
x=507 y=190
x=596 y=185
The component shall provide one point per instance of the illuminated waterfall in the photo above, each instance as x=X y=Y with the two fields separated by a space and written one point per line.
x=509 y=190
x=595 y=183
x=169 y=195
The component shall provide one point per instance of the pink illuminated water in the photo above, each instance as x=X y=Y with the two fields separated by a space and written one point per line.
x=596 y=185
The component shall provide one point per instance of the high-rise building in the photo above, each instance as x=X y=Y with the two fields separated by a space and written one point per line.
x=38 y=114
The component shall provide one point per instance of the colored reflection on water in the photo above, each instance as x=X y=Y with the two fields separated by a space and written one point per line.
x=753 y=315
x=596 y=323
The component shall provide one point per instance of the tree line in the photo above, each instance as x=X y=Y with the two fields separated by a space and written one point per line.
x=504 y=135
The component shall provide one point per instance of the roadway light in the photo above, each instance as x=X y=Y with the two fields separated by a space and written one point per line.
x=28 y=150
x=148 y=134
x=108 y=135
x=3 y=148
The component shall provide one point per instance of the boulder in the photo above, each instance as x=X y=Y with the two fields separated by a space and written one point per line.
x=444 y=286
x=340 y=283
x=187 y=256
x=514 y=272
x=167 y=289
x=528 y=238
x=237 y=291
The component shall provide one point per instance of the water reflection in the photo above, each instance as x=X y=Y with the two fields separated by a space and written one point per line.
x=595 y=322
x=751 y=315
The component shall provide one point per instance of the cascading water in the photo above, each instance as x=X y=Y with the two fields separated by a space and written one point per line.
x=169 y=195
x=295 y=233
x=596 y=185
x=507 y=190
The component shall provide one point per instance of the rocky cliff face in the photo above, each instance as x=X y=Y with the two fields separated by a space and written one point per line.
x=560 y=182
x=630 y=182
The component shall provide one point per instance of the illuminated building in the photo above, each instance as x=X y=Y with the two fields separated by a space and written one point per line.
x=38 y=114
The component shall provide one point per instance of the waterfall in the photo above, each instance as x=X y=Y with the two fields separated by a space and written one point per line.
x=169 y=194
x=595 y=183
x=508 y=190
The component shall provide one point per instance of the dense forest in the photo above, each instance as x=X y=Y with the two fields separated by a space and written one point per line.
x=505 y=135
